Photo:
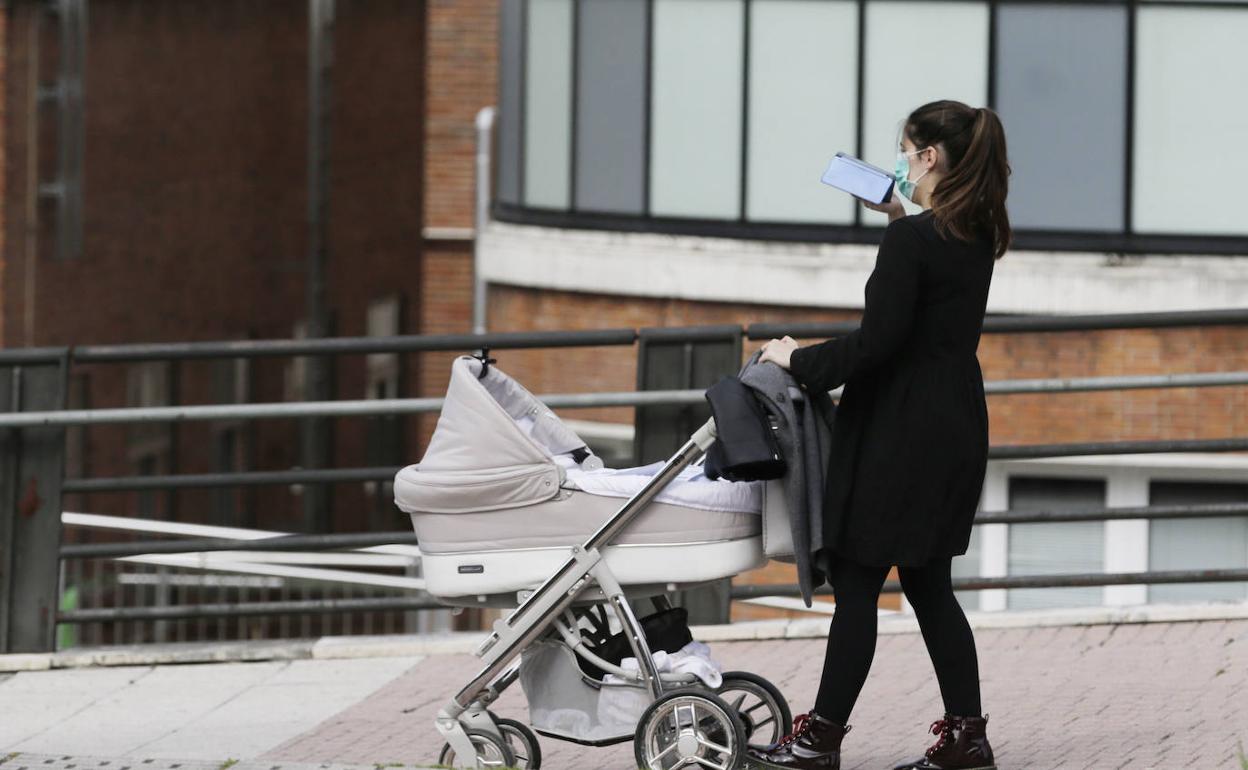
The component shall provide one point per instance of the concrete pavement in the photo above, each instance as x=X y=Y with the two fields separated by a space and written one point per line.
x=1060 y=693
x=205 y=712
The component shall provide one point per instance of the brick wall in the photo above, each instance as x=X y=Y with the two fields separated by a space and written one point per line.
x=446 y=308
x=195 y=196
x=1108 y=416
x=463 y=78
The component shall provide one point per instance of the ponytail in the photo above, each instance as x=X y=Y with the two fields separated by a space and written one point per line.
x=969 y=200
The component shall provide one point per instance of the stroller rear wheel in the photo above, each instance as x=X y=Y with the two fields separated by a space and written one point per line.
x=763 y=710
x=523 y=743
x=491 y=751
x=689 y=727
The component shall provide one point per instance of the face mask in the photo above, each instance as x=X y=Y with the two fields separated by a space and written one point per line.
x=901 y=173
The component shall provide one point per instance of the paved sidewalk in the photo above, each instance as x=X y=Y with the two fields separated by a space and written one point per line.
x=1105 y=696
x=1138 y=696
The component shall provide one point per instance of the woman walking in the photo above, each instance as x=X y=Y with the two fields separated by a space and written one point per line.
x=910 y=439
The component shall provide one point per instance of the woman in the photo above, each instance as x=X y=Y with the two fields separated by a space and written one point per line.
x=910 y=440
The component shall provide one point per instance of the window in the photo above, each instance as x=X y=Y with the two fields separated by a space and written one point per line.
x=915 y=53
x=1065 y=547
x=968 y=565
x=548 y=103
x=383 y=433
x=149 y=444
x=802 y=108
x=1190 y=119
x=295 y=374
x=715 y=117
x=1215 y=542
x=1061 y=92
x=231 y=384
x=77 y=447
x=695 y=159
x=611 y=106
x=510 y=93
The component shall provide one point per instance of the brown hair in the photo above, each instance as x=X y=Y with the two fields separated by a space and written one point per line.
x=969 y=200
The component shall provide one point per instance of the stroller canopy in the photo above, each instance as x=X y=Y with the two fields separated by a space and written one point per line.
x=493 y=447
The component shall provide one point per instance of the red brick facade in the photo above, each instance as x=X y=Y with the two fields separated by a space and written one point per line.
x=195 y=201
x=1013 y=419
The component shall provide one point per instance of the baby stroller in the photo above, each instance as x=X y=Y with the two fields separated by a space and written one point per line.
x=512 y=510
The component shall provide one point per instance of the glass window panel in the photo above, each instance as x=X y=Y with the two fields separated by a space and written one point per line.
x=803 y=105
x=510 y=71
x=1191 y=120
x=1046 y=549
x=611 y=105
x=695 y=157
x=548 y=103
x=968 y=565
x=1061 y=87
x=1214 y=542
x=917 y=53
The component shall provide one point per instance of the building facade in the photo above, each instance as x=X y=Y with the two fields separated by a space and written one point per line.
x=658 y=162
x=655 y=164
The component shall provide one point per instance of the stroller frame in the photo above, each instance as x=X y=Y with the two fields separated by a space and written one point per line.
x=584 y=570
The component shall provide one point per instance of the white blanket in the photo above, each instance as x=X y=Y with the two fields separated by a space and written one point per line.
x=624 y=705
x=690 y=488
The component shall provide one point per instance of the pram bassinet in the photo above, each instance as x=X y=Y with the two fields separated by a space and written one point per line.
x=499 y=498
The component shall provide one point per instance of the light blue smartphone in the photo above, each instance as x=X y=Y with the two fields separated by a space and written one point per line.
x=858 y=178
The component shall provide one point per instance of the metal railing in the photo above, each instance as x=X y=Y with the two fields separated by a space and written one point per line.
x=35 y=426
x=261 y=565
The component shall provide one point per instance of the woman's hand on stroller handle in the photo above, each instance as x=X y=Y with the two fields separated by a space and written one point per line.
x=778 y=351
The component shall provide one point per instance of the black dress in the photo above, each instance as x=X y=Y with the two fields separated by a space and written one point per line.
x=910 y=439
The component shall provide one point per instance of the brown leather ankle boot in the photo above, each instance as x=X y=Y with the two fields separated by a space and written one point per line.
x=962 y=745
x=814 y=744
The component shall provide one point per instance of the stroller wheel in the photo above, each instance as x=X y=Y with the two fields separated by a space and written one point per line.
x=689 y=727
x=760 y=704
x=522 y=742
x=491 y=751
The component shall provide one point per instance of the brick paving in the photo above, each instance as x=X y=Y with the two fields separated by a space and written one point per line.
x=1103 y=697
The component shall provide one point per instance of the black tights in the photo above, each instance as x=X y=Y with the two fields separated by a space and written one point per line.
x=851 y=639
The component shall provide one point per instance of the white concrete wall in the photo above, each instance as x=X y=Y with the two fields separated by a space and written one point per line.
x=833 y=275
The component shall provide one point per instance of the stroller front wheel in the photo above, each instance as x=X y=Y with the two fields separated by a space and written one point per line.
x=492 y=751
x=523 y=743
x=689 y=727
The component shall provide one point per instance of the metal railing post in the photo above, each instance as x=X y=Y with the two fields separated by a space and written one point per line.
x=485 y=133
x=31 y=469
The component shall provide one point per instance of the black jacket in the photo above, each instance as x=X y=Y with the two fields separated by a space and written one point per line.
x=745 y=448
x=910 y=440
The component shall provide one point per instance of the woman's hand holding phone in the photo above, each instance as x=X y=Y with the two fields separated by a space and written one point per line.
x=892 y=206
